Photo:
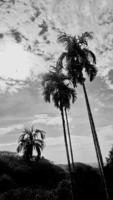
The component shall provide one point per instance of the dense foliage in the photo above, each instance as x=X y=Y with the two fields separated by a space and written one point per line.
x=43 y=180
x=109 y=159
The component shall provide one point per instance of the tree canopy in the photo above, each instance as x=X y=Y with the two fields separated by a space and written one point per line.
x=31 y=139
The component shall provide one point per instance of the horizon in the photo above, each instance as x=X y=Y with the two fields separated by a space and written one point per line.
x=28 y=46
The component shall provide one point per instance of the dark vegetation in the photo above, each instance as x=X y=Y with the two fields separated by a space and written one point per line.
x=31 y=139
x=43 y=180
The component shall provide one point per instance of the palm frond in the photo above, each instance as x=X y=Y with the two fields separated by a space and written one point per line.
x=59 y=64
x=41 y=132
x=38 y=151
x=91 y=71
x=90 y=56
x=55 y=98
x=26 y=130
x=20 y=147
x=69 y=42
x=72 y=94
x=88 y=35
x=21 y=138
x=57 y=89
x=39 y=146
x=73 y=77
x=82 y=40
x=48 y=91
x=64 y=38
x=45 y=78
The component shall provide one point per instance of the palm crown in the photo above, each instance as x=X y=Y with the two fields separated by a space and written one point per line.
x=78 y=58
x=56 y=85
x=29 y=140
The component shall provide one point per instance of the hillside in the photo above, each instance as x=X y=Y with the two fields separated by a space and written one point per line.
x=44 y=180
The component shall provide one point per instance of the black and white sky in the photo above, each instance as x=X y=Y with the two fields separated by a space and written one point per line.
x=28 y=46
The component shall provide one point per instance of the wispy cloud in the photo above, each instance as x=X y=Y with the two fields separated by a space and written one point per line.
x=8 y=144
x=50 y=120
x=6 y=130
x=106 y=132
x=83 y=148
x=38 y=26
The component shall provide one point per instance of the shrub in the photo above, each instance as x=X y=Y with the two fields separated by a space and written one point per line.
x=6 y=183
x=28 y=194
x=64 y=190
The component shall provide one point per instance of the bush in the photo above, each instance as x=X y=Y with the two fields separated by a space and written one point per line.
x=109 y=159
x=29 y=194
x=64 y=190
x=6 y=183
x=41 y=172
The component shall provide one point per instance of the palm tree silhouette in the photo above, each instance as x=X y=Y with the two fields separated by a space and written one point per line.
x=56 y=86
x=69 y=137
x=78 y=58
x=29 y=140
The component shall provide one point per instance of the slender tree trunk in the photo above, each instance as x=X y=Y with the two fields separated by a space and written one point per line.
x=69 y=136
x=38 y=153
x=96 y=143
x=67 y=150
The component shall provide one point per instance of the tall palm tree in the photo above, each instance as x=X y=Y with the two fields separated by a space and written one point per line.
x=29 y=140
x=78 y=58
x=56 y=87
x=69 y=137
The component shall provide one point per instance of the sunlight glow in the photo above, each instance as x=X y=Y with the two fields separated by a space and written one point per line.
x=14 y=61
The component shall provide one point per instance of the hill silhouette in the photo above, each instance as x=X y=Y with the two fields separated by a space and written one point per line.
x=44 y=180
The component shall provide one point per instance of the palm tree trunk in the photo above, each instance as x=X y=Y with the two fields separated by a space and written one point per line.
x=96 y=143
x=67 y=150
x=69 y=136
x=38 y=153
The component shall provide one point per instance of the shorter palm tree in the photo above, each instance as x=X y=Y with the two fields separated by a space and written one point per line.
x=56 y=88
x=31 y=139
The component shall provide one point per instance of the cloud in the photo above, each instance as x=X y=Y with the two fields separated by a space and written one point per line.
x=22 y=103
x=18 y=61
x=11 y=85
x=6 y=130
x=78 y=140
x=15 y=62
x=109 y=79
x=83 y=149
x=106 y=17
x=86 y=10
x=8 y=144
x=49 y=120
x=83 y=146
x=37 y=27
x=106 y=132
x=101 y=94
x=8 y=147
